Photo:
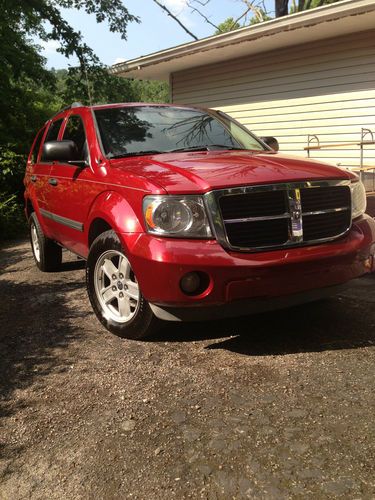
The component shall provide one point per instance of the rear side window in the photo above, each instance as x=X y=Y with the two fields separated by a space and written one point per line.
x=75 y=131
x=35 y=151
x=53 y=131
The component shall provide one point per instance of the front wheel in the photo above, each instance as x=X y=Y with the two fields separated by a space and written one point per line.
x=114 y=291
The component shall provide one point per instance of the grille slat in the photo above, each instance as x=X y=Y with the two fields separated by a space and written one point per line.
x=262 y=233
x=253 y=205
x=250 y=235
x=325 y=225
x=324 y=198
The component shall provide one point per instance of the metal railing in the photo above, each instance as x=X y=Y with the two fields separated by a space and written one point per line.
x=366 y=172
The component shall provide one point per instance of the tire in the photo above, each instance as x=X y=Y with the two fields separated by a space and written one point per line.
x=47 y=254
x=114 y=292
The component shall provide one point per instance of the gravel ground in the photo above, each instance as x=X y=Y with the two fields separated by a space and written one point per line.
x=271 y=406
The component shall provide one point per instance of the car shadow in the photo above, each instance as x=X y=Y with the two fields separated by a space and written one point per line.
x=342 y=322
x=37 y=323
x=74 y=265
x=11 y=255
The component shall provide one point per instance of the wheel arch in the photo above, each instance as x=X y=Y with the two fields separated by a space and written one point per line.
x=97 y=227
x=29 y=208
x=111 y=210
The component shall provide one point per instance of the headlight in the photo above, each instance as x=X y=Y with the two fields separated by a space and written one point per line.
x=359 y=201
x=177 y=216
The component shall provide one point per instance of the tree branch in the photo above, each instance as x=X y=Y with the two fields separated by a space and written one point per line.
x=241 y=16
x=175 y=18
x=194 y=9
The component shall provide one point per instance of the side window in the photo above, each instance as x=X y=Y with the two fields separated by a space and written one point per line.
x=75 y=131
x=53 y=132
x=35 y=151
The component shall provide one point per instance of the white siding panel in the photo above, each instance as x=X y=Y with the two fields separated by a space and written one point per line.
x=326 y=88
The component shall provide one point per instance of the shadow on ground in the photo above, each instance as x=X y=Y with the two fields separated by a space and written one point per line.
x=336 y=323
x=35 y=321
x=38 y=320
x=11 y=256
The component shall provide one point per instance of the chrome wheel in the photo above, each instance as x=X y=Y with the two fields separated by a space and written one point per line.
x=35 y=242
x=116 y=287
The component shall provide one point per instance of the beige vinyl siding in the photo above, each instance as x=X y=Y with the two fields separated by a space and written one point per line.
x=326 y=88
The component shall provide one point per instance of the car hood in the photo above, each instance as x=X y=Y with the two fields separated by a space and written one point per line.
x=204 y=171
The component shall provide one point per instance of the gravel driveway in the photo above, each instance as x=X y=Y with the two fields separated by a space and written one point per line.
x=274 y=406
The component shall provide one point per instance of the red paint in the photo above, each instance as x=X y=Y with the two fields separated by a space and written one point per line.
x=203 y=171
x=113 y=191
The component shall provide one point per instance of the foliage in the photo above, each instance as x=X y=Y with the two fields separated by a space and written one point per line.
x=92 y=85
x=30 y=93
x=228 y=25
x=11 y=171
x=25 y=83
x=259 y=13
x=300 y=5
x=98 y=86
x=12 y=219
x=150 y=91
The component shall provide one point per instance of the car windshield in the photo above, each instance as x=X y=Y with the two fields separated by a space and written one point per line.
x=132 y=130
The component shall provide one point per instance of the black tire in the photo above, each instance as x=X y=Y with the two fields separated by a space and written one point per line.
x=143 y=323
x=48 y=255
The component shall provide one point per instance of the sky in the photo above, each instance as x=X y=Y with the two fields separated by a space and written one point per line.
x=156 y=31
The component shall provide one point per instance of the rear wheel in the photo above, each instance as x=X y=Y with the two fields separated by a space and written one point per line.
x=47 y=254
x=114 y=291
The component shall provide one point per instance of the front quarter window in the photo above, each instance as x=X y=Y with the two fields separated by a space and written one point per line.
x=53 y=132
x=36 y=147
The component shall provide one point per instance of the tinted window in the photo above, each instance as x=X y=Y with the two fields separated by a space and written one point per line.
x=75 y=131
x=53 y=132
x=35 y=151
x=159 y=128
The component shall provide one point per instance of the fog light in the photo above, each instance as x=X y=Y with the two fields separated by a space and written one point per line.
x=194 y=283
x=190 y=283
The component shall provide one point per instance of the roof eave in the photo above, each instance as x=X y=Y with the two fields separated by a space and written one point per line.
x=158 y=65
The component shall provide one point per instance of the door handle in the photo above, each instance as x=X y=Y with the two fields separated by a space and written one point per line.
x=33 y=178
x=53 y=182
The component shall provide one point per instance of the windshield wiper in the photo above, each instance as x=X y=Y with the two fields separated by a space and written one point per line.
x=135 y=153
x=208 y=147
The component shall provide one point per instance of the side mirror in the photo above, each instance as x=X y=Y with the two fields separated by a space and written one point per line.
x=62 y=151
x=272 y=142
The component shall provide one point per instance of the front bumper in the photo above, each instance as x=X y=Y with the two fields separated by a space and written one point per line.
x=247 y=278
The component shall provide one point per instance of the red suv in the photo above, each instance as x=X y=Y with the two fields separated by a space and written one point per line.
x=183 y=214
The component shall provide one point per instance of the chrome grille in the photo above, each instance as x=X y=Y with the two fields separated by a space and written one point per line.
x=272 y=216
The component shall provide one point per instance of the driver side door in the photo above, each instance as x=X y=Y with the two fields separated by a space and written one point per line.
x=69 y=190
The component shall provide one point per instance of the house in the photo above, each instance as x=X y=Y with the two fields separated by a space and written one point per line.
x=308 y=73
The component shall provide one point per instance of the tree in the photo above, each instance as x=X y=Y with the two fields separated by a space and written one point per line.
x=229 y=24
x=254 y=12
x=29 y=93
x=24 y=80
x=300 y=5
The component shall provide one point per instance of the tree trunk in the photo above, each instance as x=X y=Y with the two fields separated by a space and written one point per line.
x=281 y=8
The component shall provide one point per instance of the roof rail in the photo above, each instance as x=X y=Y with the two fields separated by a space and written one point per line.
x=71 y=106
x=76 y=105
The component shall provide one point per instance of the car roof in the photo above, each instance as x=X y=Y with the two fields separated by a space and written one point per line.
x=78 y=106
